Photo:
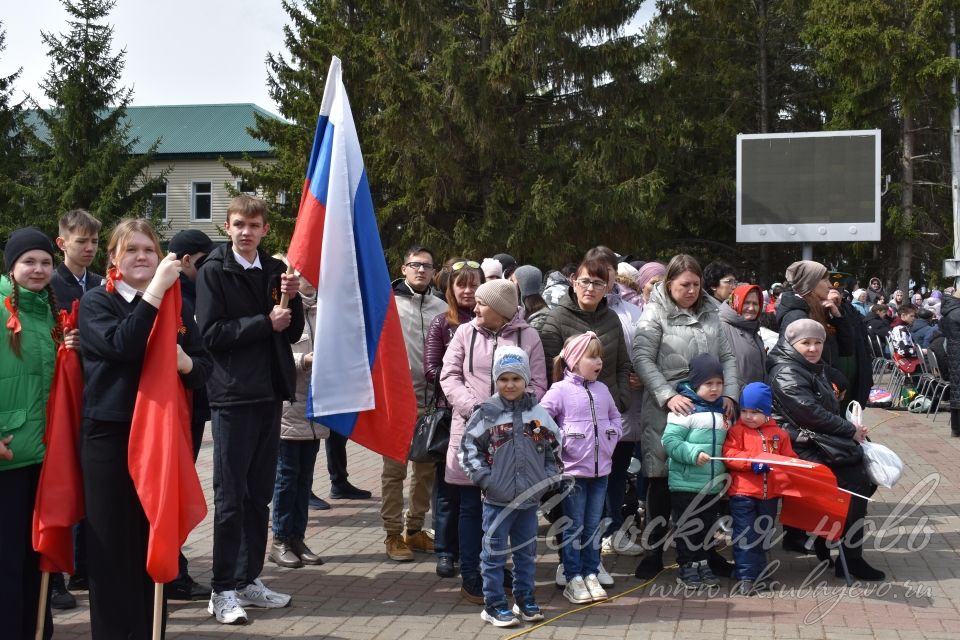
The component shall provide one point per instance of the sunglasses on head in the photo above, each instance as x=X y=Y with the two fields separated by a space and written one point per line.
x=456 y=266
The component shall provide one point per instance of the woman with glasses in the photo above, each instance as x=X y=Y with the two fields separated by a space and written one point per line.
x=460 y=277
x=679 y=323
x=719 y=280
x=741 y=324
x=585 y=309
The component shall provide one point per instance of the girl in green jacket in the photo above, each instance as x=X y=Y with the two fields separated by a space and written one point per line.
x=27 y=354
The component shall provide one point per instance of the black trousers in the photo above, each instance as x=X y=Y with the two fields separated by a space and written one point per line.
x=854 y=478
x=694 y=515
x=658 y=516
x=336 y=448
x=121 y=591
x=19 y=563
x=245 y=442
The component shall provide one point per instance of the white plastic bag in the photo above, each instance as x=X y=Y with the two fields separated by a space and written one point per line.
x=883 y=466
x=855 y=413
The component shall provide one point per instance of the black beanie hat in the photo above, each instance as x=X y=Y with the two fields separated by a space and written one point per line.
x=23 y=240
x=702 y=368
x=190 y=241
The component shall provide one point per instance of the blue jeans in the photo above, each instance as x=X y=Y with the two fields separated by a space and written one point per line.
x=291 y=491
x=583 y=505
x=508 y=530
x=754 y=524
x=617 y=486
x=446 y=515
x=470 y=526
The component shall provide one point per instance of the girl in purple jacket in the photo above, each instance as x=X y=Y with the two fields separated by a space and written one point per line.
x=590 y=424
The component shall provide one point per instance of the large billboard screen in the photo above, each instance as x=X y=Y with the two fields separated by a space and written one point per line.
x=808 y=187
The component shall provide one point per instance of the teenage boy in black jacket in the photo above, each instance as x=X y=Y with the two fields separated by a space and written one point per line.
x=248 y=336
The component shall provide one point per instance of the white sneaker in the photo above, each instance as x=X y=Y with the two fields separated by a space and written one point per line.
x=593 y=586
x=605 y=578
x=256 y=594
x=561 y=579
x=577 y=592
x=225 y=606
x=620 y=543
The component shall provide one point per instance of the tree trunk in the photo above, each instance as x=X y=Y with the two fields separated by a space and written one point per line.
x=906 y=201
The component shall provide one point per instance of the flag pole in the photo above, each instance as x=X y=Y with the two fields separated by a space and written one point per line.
x=157 y=610
x=285 y=299
x=42 y=607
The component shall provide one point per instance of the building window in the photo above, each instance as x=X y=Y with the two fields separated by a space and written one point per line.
x=158 y=202
x=202 y=200
x=243 y=186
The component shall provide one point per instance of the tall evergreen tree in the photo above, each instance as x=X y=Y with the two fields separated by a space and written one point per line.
x=720 y=69
x=82 y=148
x=12 y=146
x=486 y=126
x=887 y=66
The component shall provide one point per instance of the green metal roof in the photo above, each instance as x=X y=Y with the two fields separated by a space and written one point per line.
x=193 y=130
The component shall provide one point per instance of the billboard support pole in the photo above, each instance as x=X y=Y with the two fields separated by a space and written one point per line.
x=955 y=152
x=807 y=251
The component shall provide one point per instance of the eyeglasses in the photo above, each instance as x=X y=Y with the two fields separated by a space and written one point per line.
x=728 y=281
x=583 y=283
x=456 y=266
x=416 y=266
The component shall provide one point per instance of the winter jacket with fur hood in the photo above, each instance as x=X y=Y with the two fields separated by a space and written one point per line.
x=467 y=376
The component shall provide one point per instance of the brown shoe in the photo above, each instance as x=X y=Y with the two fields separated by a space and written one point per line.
x=283 y=555
x=420 y=541
x=303 y=551
x=397 y=549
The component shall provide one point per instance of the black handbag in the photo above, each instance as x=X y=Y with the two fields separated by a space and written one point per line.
x=835 y=450
x=431 y=435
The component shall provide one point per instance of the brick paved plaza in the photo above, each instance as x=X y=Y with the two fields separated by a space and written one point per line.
x=361 y=594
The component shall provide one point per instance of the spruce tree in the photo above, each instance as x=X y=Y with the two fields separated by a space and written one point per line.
x=486 y=126
x=12 y=146
x=82 y=148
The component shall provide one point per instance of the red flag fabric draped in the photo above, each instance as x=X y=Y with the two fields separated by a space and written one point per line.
x=59 y=503
x=160 y=454
x=811 y=499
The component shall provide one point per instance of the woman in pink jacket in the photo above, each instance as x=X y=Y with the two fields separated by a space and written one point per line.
x=467 y=380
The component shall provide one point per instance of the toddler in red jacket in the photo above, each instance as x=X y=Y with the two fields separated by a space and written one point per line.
x=754 y=491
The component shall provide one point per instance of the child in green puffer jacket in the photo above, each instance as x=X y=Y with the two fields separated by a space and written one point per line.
x=691 y=441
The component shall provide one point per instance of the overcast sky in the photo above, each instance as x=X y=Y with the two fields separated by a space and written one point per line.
x=178 y=51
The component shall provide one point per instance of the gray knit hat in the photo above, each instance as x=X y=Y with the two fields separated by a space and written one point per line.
x=804 y=328
x=511 y=360
x=804 y=275
x=528 y=279
x=500 y=295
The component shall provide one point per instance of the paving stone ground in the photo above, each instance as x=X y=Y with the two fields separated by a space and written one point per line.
x=360 y=594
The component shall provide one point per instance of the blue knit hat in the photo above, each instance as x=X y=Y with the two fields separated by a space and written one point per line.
x=757 y=396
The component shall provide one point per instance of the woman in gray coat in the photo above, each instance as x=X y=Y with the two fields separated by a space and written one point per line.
x=739 y=317
x=677 y=324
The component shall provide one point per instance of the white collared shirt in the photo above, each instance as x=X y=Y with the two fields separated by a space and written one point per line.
x=246 y=264
x=127 y=292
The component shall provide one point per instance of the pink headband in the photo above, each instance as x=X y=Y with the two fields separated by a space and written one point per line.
x=576 y=347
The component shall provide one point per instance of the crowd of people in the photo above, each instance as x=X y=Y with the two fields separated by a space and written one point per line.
x=555 y=383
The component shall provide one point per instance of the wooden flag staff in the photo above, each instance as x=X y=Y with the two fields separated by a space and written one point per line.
x=42 y=607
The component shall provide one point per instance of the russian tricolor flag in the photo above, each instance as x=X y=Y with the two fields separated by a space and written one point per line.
x=360 y=385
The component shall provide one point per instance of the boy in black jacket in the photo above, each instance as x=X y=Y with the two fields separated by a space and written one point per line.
x=248 y=336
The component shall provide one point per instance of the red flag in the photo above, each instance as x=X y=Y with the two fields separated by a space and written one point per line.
x=59 y=503
x=160 y=455
x=811 y=499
